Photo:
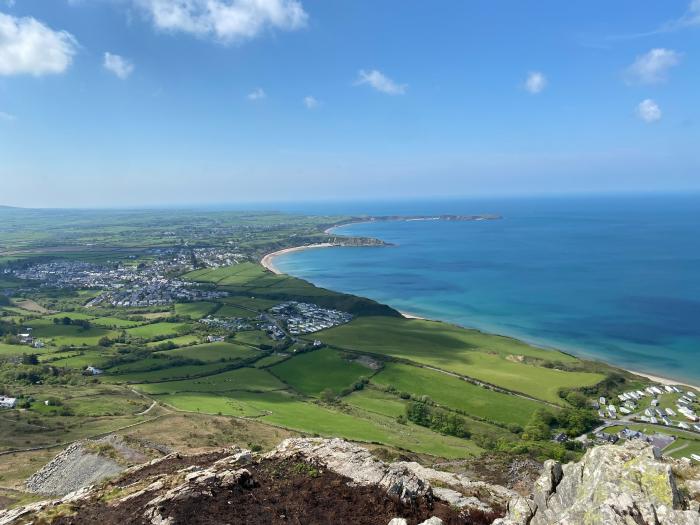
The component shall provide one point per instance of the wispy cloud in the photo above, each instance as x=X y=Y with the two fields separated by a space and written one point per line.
x=691 y=18
x=257 y=94
x=380 y=82
x=225 y=20
x=311 y=102
x=29 y=47
x=652 y=67
x=7 y=117
x=118 y=65
x=649 y=111
x=535 y=82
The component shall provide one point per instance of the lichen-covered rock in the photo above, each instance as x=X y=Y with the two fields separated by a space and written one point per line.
x=611 y=485
x=356 y=463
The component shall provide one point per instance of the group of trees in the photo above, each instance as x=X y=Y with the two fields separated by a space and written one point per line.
x=83 y=324
x=426 y=415
x=572 y=421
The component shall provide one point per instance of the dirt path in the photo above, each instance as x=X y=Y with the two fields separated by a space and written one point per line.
x=153 y=405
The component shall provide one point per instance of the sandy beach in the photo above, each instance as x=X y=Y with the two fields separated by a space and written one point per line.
x=662 y=380
x=268 y=260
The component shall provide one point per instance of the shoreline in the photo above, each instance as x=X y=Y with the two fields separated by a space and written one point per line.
x=268 y=262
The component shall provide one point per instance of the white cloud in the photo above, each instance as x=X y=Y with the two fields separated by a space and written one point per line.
x=225 y=20
x=380 y=82
x=311 y=102
x=7 y=117
x=28 y=47
x=649 y=111
x=535 y=82
x=652 y=67
x=257 y=94
x=118 y=65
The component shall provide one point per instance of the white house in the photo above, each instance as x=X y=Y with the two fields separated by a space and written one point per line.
x=8 y=402
x=93 y=371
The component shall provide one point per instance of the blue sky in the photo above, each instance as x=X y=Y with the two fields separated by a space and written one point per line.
x=138 y=102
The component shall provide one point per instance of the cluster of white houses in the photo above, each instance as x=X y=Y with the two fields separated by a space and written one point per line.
x=654 y=414
x=8 y=402
x=305 y=318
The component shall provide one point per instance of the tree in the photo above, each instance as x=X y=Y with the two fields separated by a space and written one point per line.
x=577 y=399
x=328 y=395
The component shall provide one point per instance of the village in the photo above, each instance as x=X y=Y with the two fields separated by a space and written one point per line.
x=306 y=318
x=131 y=285
x=290 y=318
x=661 y=405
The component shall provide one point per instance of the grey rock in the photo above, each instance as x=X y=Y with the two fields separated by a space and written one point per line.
x=611 y=485
x=432 y=521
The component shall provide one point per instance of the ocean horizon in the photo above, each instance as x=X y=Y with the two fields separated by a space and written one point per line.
x=614 y=278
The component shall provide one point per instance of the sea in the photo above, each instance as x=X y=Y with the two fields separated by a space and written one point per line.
x=614 y=278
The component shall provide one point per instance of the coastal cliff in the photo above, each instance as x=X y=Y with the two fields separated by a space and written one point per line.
x=333 y=481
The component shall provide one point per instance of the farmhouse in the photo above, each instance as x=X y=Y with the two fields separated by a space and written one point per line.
x=91 y=370
x=8 y=402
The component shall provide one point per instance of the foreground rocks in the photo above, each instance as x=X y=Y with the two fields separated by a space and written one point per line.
x=303 y=481
x=626 y=485
x=331 y=481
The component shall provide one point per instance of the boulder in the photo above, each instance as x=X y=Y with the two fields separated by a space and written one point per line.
x=611 y=485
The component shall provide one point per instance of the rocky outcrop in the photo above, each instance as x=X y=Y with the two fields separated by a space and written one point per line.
x=406 y=480
x=334 y=481
x=611 y=485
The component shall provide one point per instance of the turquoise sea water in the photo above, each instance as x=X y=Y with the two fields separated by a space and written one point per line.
x=616 y=279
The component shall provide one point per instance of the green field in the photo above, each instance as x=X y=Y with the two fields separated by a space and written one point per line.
x=69 y=335
x=251 y=379
x=289 y=411
x=253 y=337
x=493 y=359
x=183 y=340
x=228 y=310
x=149 y=331
x=195 y=310
x=165 y=374
x=313 y=372
x=453 y=392
x=270 y=360
x=82 y=360
x=114 y=322
x=377 y=401
x=17 y=350
x=212 y=352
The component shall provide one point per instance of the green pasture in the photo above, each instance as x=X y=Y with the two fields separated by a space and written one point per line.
x=162 y=329
x=183 y=340
x=68 y=335
x=228 y=310
x=115 y=322
x=195 y=310
x=270 y=360
x=464 y=352
x=252 y=379
x=313 y=372
x=212 y=352
x=456 y=393
x=164 y=374
x=254 y=338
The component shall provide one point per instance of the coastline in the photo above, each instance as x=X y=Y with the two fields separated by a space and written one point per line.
x=268 y=262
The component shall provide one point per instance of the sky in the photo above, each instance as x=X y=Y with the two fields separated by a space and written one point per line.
x=109 y=103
